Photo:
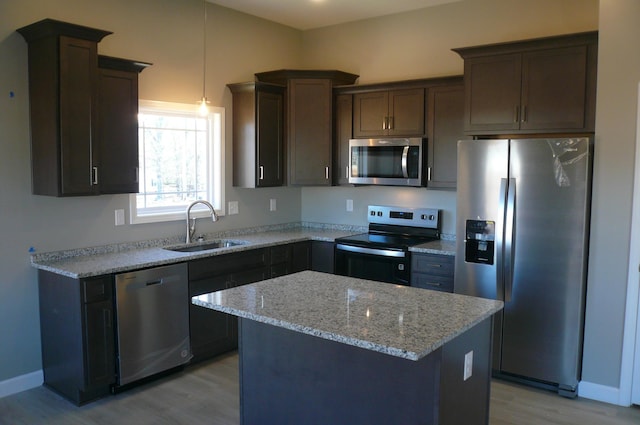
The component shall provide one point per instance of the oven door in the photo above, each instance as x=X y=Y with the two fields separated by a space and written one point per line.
x=382 y=264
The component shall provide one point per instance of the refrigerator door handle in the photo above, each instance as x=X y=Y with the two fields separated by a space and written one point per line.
x=509 y=241
x=500 y=240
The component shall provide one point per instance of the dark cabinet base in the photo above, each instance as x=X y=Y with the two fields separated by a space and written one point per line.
x=294 y=378
x=76 y=328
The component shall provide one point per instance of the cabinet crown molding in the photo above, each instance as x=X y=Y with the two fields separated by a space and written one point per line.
x=521 y=46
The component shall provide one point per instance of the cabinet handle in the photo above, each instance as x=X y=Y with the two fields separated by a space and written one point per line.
x=429 y=174
x=435 y=265
x=326 y=173
x=384 y=123
x=516 y=114
x=137 y=175
x=434 y=284
x=390 y=123
x=346 y=172
x=95 y=175
x=261 y=173
x=523 y=118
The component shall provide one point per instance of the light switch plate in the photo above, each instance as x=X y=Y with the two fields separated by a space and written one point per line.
x=233 y=207
x=350 y=205
x=468 y=365
x=119 y=217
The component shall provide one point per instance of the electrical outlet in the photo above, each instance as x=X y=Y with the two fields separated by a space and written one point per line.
x=272 y=204
x=233 y=207
x=350 y=205
x=119 y=217
x=468 y=365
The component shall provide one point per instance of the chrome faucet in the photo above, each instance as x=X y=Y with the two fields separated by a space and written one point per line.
x=191 y=222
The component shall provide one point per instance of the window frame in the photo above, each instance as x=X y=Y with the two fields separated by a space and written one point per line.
x=216 y=183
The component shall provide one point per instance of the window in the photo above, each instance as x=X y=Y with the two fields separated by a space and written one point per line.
x=181 y=159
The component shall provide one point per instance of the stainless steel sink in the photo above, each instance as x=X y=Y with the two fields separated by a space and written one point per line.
x=205 y=246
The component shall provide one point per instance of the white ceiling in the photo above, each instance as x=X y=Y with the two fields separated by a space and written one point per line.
x=309 y=14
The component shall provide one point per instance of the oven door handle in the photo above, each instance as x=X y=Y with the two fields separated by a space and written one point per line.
x=372 y=251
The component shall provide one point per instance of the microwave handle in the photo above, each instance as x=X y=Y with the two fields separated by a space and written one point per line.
x=405 y=155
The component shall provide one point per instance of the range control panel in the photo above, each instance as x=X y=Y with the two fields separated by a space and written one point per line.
x=402 y=216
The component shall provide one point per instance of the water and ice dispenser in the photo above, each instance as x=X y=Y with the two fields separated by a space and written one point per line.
x=479 y=242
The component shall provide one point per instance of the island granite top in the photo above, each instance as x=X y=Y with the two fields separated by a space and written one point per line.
x=396 y=320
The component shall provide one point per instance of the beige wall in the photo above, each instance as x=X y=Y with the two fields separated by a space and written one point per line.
x=618 y=77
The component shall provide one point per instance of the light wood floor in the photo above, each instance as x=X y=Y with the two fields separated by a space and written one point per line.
x=208 y=394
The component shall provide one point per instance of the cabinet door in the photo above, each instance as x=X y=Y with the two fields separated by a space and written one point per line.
x=344 y=132
x=211 y=332
x=370 y=113
x=300 y=256
x=406 y=113
x=492 y=93
x=269 y=139
x=99 y=336
x=310 y=103
x=554 y=89
x=445 y=128
x=117 y=131
x=78 y=82
x=322 y=259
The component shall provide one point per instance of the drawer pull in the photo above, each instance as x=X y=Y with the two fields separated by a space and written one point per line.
x=434 y=284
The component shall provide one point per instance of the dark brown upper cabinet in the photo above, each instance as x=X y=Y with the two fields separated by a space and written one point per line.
x=343 y=125
x=66 y=105
x=309 y=123
x=444 y=124
x=545 y=85
x=117 y=125
x=389 y=113
x=258 y=134
x=445 y=117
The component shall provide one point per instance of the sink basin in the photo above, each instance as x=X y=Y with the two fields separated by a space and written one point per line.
x=205 y=246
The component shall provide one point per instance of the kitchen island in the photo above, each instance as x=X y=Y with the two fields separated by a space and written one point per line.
x=317 y=348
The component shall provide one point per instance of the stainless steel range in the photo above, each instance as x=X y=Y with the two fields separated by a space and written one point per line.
x=382 y=253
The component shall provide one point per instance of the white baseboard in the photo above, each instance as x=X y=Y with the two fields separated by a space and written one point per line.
x=599 y=392
x=21 y=383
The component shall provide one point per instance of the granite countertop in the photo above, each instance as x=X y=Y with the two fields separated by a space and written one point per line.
x=397 y=320
x=87 y=262
x=442 y=247
x=95 y=261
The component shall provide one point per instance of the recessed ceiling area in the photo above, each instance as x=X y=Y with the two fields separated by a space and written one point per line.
x=309 y=14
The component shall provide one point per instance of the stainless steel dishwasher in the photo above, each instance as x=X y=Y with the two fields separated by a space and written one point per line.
x=152 y=311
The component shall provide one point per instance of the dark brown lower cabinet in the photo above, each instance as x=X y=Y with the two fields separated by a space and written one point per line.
x=432 y=271
x=322 y=256
x=77 y=335
x=212 y=332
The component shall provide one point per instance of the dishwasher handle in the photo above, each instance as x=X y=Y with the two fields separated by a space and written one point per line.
x=135 y=281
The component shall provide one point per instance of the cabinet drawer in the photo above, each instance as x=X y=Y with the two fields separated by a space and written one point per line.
x=98 y=289
x=435 y=264
x=227 y=263
x=212 y=284
x=429 y=281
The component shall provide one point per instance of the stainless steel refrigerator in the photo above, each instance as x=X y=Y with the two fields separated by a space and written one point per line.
x=522 y=237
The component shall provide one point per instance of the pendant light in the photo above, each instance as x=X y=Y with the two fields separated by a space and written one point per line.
x=203 y=108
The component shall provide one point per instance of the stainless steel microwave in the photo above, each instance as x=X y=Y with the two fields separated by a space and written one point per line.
x=391 y=162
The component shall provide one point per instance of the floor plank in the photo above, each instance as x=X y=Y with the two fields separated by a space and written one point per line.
x=208 y=394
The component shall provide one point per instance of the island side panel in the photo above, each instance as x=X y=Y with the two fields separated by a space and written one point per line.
x=294 y=378
x=466 y=401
